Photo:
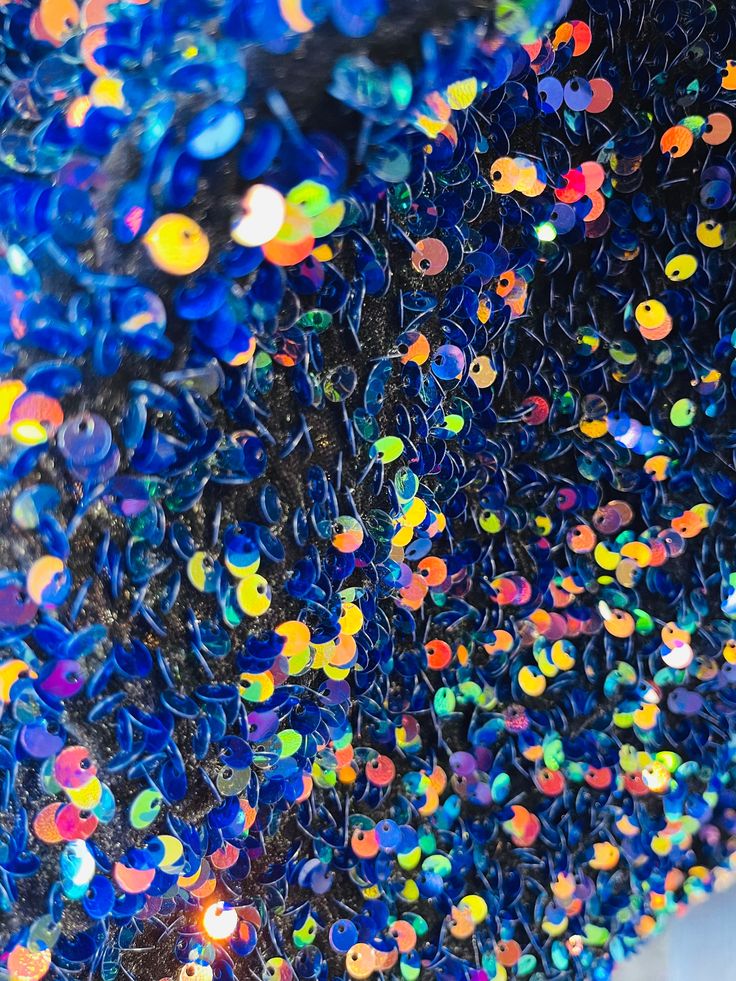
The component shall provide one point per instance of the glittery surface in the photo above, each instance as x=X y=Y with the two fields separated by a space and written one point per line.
x=366 y=478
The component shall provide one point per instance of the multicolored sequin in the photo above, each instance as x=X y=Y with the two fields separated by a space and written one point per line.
x=367 y=478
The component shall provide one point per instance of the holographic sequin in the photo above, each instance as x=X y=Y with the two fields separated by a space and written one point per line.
x=367 y=600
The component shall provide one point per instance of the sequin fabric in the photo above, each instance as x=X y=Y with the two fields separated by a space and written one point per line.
x=366 y=486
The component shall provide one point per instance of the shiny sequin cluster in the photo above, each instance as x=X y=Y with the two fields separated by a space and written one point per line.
x=367 y=478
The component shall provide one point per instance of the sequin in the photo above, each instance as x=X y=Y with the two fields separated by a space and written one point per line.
x=263 y=214
x=177 y=244
x=430 y=256
x=220 y=921
x=360 y=961
x=253 y=595
x=215 y=131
